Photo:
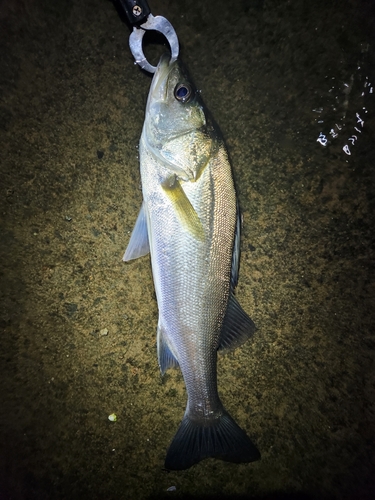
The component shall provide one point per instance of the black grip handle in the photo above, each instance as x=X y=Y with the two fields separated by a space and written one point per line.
x=136 y=11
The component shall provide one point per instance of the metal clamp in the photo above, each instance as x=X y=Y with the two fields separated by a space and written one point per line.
x=139 y=15
x=157 y=23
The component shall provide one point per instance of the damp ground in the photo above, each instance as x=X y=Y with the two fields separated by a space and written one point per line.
x=291 y=86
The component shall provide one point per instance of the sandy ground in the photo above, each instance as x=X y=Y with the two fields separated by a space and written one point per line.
x=78 y=325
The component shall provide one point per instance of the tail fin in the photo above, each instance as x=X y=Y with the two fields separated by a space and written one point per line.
x=220 y=438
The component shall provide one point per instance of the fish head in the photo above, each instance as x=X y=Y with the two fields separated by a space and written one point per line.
x=176 y=130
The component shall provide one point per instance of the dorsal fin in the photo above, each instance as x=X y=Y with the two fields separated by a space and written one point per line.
x=236 y=251
x=237 y=326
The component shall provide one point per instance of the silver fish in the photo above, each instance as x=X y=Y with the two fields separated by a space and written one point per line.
x=190 y=223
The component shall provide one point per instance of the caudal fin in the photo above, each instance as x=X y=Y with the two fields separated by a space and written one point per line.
x=219 y=438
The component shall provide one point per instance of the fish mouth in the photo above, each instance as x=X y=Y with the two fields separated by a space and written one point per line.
x=159 y=85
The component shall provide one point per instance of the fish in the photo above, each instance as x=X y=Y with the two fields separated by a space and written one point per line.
x=190 y=224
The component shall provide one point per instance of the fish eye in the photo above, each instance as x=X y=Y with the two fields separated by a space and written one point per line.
x=183 y=92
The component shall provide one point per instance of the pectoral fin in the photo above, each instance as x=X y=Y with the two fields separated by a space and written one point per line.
x=184 y=209
x=138 y=243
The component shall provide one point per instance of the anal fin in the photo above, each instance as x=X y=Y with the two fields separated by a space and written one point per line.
x=165 y=356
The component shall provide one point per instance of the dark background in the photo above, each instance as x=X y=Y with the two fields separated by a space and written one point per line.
x=77 y=339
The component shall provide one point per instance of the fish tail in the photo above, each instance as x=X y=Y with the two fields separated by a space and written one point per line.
x=219 y=437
